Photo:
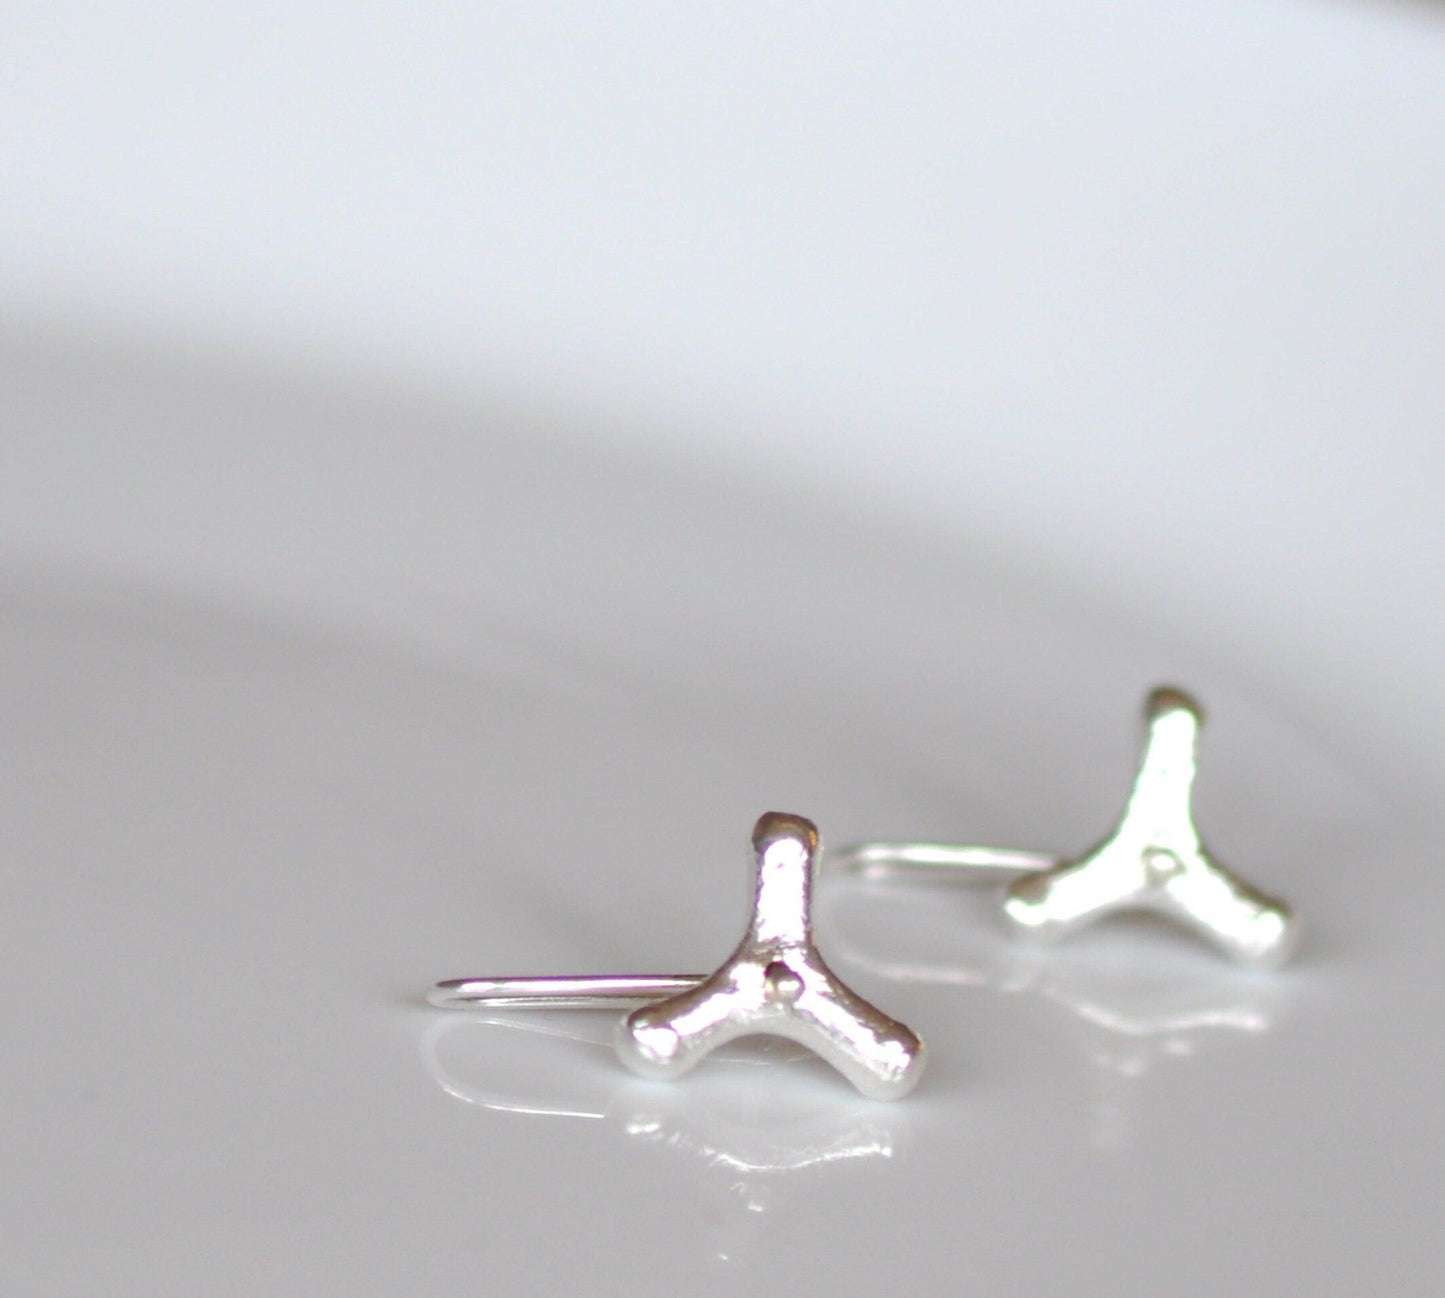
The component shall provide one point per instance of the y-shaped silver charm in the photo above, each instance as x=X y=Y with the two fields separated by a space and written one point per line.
x=775 y=983
x=1153 y=859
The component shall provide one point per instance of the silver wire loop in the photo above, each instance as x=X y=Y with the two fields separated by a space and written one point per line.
x=775 y=983
x=981 y=864
x=561 y=991
x=1154 y=859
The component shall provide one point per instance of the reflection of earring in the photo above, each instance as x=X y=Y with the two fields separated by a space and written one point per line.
x=775 y=983
x=1153 y=860
x=777 y=1139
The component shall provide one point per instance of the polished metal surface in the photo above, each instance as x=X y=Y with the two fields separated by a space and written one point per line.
x=1154 y=859
x=775 y=983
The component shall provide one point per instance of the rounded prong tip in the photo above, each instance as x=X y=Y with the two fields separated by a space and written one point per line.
x=776 y=826
x=650 y=1049
x=1170 y=698
x=1277 y=940
x=898 y=1080
x=1026 y=910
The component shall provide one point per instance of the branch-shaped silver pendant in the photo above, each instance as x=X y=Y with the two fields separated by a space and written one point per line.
x=775 y=983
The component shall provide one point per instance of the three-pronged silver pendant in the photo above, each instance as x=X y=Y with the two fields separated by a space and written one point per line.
x=1154 y=859
x=776 y=982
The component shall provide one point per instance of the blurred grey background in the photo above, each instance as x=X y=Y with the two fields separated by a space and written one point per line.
x=1148 y=298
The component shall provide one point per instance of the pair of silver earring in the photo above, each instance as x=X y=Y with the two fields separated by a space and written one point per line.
x=777 y=983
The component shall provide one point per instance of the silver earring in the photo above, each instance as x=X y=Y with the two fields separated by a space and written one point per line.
x=1153 y=860
x=775 y=983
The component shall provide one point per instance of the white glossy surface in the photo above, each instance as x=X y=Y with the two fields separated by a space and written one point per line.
x=436 y=455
